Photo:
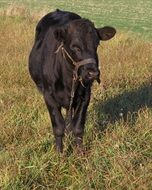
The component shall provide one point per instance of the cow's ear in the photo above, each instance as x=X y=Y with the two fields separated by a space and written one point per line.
x=106 y=33
x=60 y=34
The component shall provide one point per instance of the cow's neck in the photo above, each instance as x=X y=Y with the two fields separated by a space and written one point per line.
x=65 y=74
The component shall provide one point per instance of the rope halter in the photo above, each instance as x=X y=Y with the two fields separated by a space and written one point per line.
x=76 y=64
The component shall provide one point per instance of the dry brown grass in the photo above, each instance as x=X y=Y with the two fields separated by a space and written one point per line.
x=22 y=11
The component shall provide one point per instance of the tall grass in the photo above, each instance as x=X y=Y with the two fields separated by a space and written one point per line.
x=118 y=139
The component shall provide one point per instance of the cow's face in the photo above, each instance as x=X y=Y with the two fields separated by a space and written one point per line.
x=81 y=40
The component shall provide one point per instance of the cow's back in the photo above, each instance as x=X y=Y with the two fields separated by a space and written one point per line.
x=50 y=21
x=53 y=19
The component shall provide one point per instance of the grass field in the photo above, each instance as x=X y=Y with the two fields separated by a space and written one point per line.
x=132 y=15
x=118 y=137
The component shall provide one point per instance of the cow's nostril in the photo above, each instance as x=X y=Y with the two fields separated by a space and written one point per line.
x=90 y=73
x=93 y=74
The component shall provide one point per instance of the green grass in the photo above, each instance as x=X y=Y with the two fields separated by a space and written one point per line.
x=129 y=15
x=117 y=151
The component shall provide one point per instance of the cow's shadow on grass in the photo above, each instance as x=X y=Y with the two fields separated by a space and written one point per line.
x=124 y=106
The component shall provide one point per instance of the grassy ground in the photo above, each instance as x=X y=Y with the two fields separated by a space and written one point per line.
x=118 y=138
x=132 y=15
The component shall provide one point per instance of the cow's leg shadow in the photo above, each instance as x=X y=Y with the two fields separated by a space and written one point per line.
x=123 y=106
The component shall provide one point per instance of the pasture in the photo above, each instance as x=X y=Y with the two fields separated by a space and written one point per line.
x=117 y=151
x=129 y=15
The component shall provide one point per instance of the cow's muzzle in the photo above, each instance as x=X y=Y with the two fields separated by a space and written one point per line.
x=94 y=75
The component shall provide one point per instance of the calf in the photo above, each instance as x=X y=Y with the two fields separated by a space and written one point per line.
x=63 y=63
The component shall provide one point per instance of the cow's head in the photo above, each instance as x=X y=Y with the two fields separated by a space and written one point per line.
x=81 y=39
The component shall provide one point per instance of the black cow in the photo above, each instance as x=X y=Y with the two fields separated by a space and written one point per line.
x=64 y=63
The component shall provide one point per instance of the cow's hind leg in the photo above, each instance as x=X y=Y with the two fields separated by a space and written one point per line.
x=57 y=119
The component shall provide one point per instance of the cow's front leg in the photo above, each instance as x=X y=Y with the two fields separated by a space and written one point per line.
x=57 y=120
x=78 y=122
